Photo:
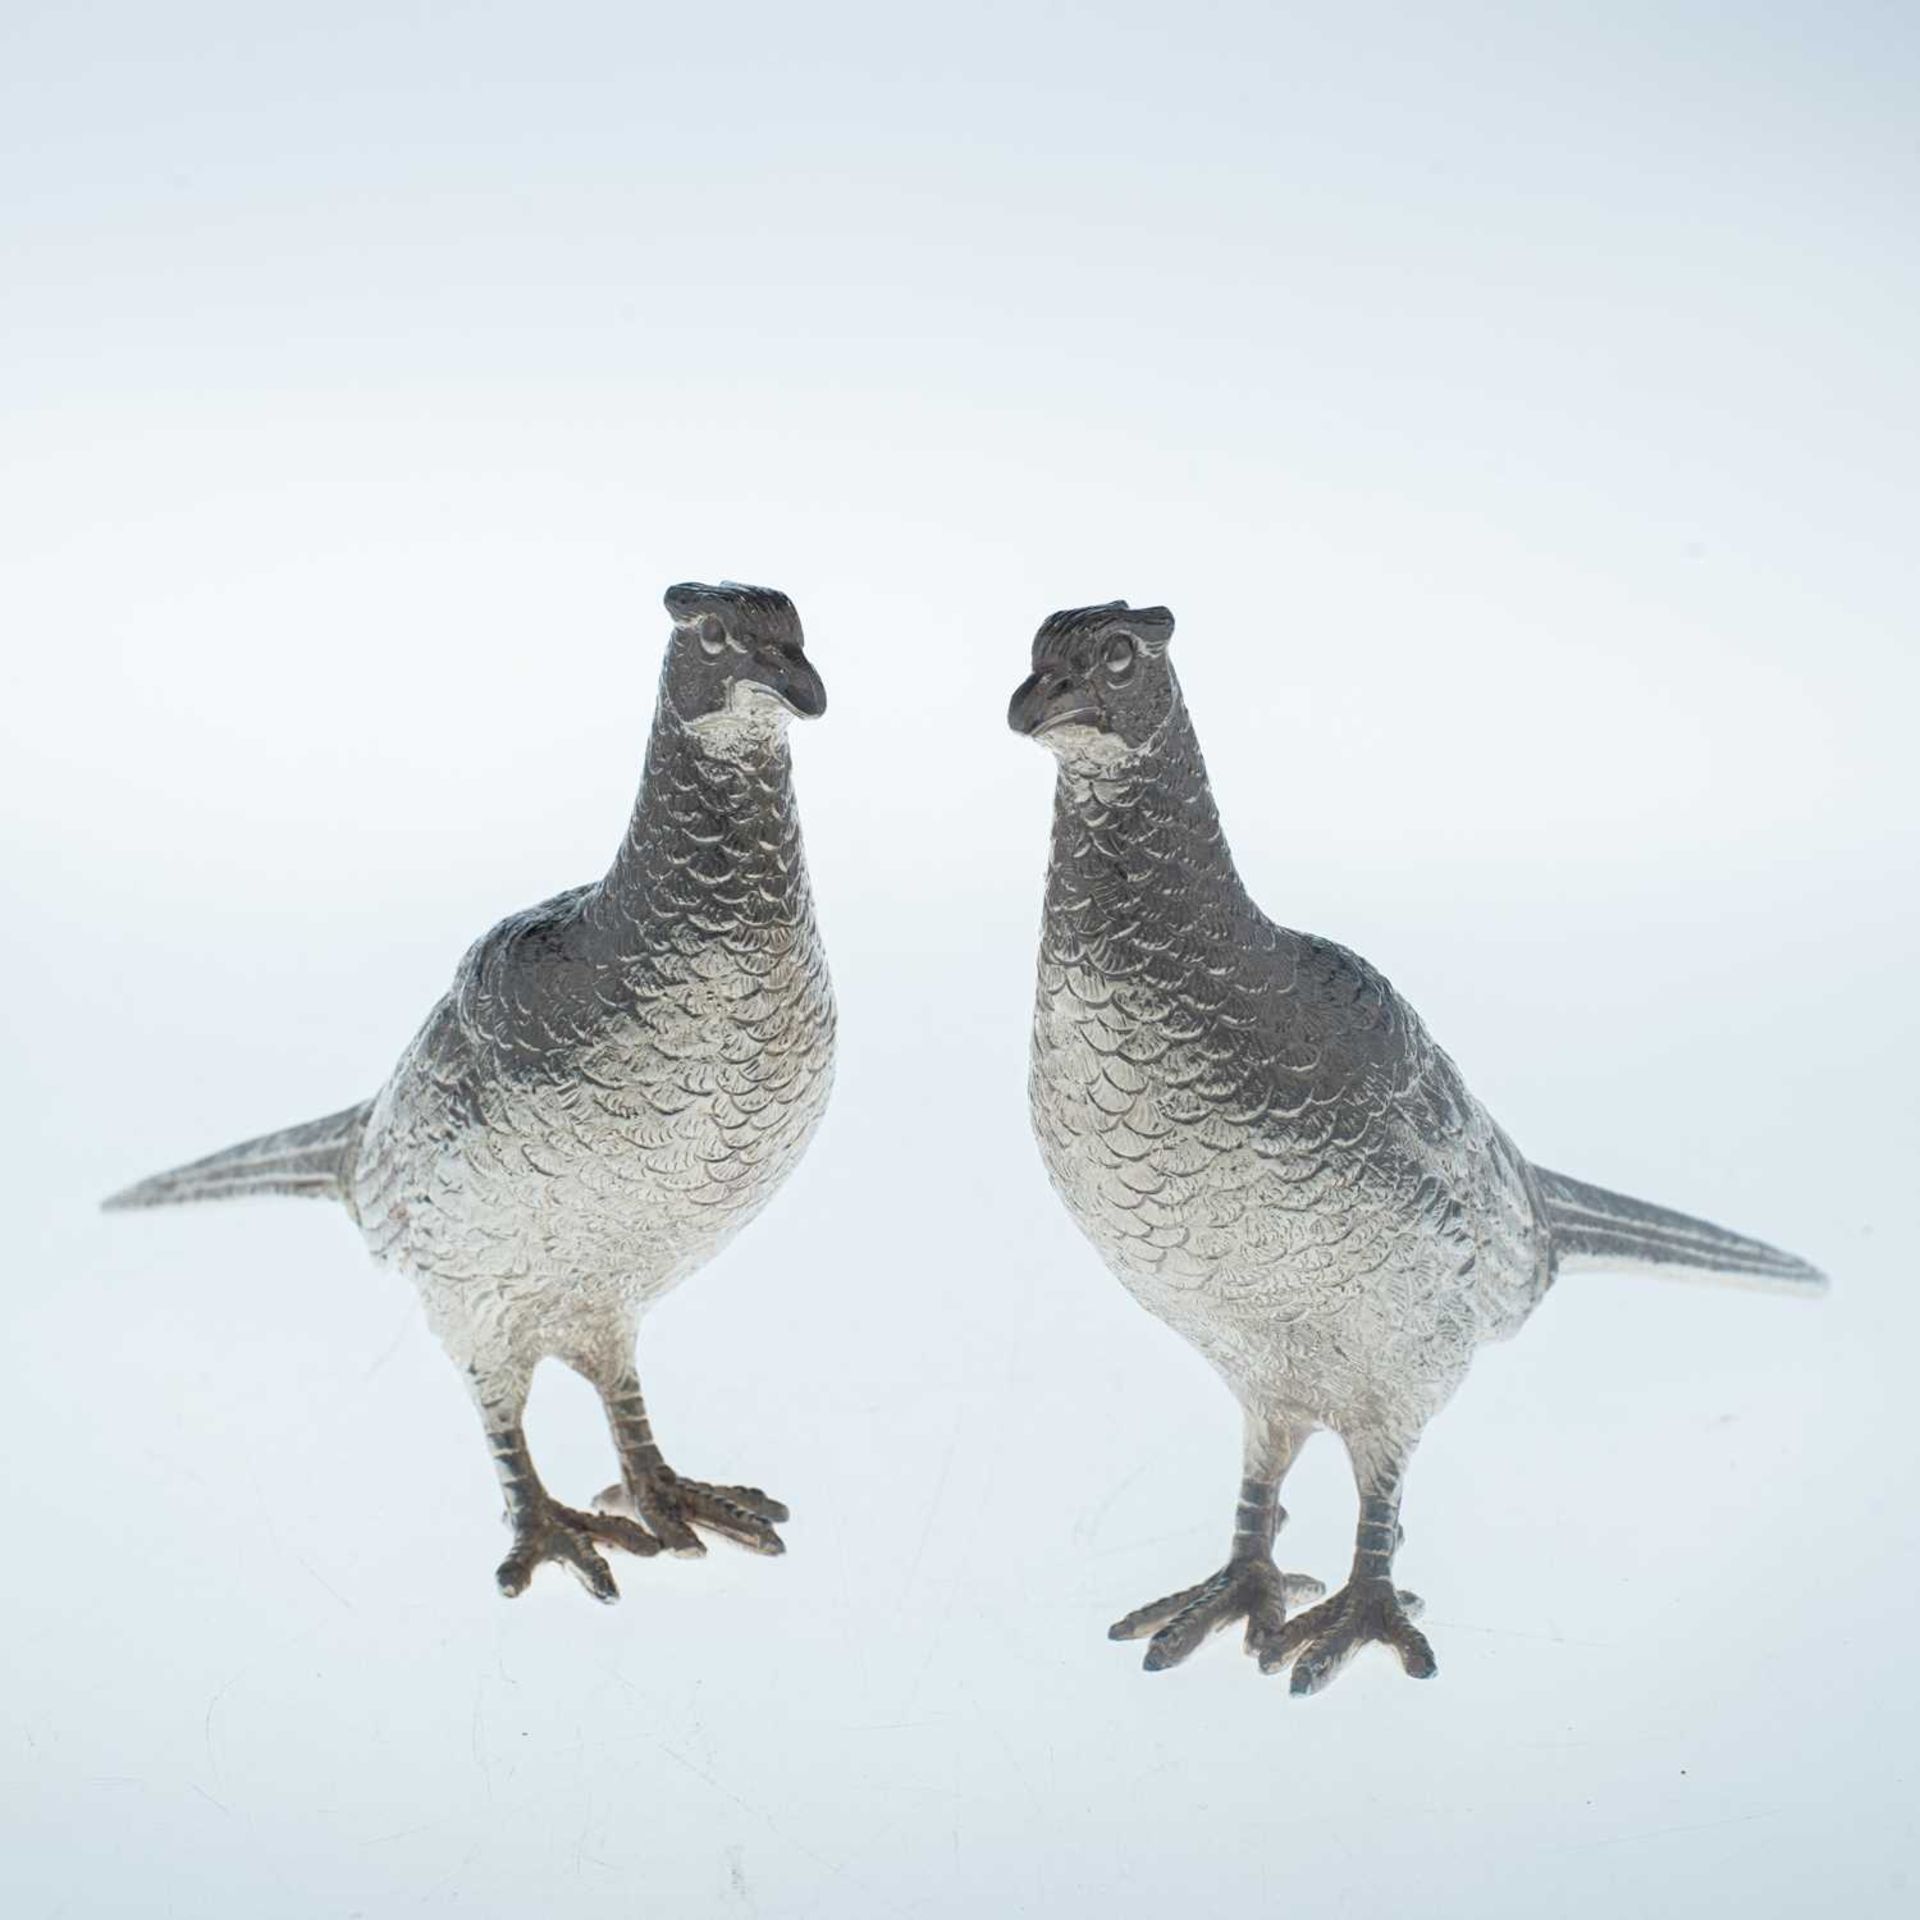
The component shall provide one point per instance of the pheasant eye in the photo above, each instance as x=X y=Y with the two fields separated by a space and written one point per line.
x=712 y=636
x=1120 y=655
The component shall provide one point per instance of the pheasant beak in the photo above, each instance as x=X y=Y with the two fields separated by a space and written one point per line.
x=1049 y=699
x=791 y=679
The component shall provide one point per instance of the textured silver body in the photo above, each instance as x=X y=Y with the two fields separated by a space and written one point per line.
x=1252 y=1127
x=1267 y=1149
x=617 y=1081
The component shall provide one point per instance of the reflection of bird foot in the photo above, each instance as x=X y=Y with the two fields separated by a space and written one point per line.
x=1323 y=1639
x=673 y=1507
x=1253 y=1590
x=545 y=1530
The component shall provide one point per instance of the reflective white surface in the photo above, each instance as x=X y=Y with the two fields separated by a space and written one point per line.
x=1546 y=390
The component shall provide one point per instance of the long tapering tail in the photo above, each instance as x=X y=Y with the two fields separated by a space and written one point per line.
x=314 y=1161
x=1591 y=1227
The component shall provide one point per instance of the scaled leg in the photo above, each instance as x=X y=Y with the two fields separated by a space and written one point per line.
x=542 y=1528
x=1249 y=1587
x=1319 y=1642
x=651 y=1490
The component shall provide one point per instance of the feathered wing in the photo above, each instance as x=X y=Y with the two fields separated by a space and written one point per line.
x=313 y=1161
x=1591 y=1227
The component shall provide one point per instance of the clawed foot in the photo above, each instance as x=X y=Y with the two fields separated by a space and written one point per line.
x=673 y=1507
x=1255 y=1591
x=1323 y=1639
x=548 y=1531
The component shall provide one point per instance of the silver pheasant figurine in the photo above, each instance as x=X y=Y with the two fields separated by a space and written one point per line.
x=1255 y=1131
x=616 y=1083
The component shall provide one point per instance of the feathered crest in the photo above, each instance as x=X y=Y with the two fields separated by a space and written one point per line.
x=1151 y=626
x=747 y=613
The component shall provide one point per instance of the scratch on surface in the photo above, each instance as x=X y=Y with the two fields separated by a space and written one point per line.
x=478 y=1741
x=837 y=1869
x=286 y=1552
x=206 y=1726
x=227 y=1686
x=931 y=1507
x=300 y=1560
x=1520 y=1633
x=390 y=1349
x=1661 y=1833
x=1089 y=1524
x=1141 y=1543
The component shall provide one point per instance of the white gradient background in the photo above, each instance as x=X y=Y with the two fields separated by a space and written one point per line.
x=1518 y=407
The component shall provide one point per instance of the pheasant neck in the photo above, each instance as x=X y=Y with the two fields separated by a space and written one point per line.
x=714 y=841
x=1146 y=825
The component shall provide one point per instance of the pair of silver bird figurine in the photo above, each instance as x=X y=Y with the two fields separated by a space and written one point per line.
x=1250 y=1125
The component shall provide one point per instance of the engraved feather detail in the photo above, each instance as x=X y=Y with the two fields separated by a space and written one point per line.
x=1251 y=1126
x=619 y=1079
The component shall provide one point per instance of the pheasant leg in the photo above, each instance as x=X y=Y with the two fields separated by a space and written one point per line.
x=1369 y=1608
x=649 y=1490
x=1249 y=1587
x=545 y=1530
